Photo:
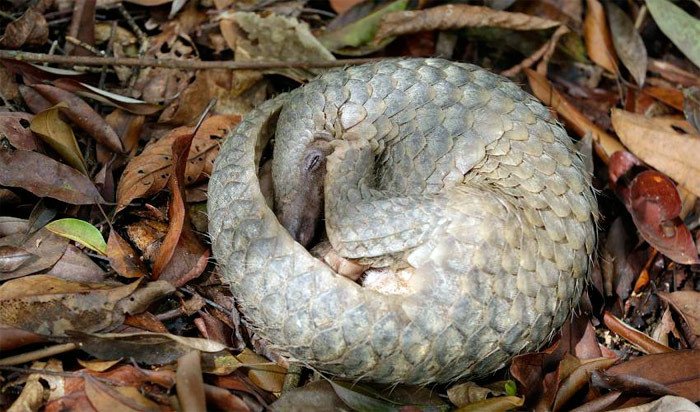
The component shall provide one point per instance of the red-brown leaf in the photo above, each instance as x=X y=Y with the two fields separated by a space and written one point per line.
x=82 y=115
x=46 y=177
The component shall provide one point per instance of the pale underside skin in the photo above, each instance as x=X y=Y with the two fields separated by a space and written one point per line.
x=442 y=166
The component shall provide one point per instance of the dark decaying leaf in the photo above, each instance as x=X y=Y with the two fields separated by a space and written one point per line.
x=38 y=73
x=109 y=396
x=221 y=399
x=82 y=115
x=457 y=16
x=45 y=177
x=30 y=29
x=628 y=43
x=15 y=127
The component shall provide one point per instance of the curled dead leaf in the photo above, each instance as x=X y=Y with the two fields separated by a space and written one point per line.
x=82 y=115
x=457 y=16
x=599 y=43
x=658 y=142
x=148 y=173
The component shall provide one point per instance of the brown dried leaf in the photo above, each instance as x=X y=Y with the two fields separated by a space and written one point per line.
x=190 y=386
x=45 y=177
x=542 y=88
x=225 y=85
x=47 y=247
x=578 y=379
x=262 y=372
x=120 y=398
x=148 y=172
x=189 y=259
x=221 y=399
x=51 y=306
x=457 y=16
x=82 y=115
x=655 y=141
x=123 y=258
x=639 y=339
x=75 y=265
x=628 y=43
x=12 y=338
x=30 y=29
x=58 y=134
x=35 y=101
x=176 y=212
x=667 y=95
x=12 y=257
x=127 y=126
x=597 y=37
x=678 y=370
x=15 y=127
x=687 y=304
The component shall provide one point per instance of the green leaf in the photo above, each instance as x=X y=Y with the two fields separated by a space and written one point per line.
x=511 y=388
x=361 y=31
x=59 y=135
x=81 y=232
x=682 y=28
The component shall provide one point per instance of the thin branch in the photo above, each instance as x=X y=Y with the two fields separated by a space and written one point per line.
x=174 y=63
x=38 y=354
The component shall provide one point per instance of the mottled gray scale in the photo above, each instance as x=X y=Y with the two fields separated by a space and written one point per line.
x=430 y=150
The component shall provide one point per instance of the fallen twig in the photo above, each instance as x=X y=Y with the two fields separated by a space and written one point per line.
x=174 y=63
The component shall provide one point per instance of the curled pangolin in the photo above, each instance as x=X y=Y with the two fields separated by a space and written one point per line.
x=442 y=168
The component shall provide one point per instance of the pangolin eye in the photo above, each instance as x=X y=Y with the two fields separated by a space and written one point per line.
x=313 y=161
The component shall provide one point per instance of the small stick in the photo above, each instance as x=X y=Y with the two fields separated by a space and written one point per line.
x=38 y=354
x=175 y=63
